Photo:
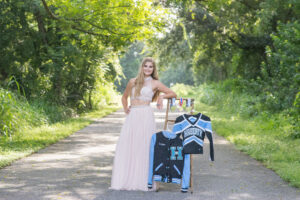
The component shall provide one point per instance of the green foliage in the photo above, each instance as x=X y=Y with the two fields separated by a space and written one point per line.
x=104 y=95
x=17 y=113
x=175 y=73
x=130 y=63
x=7 y=110
x=63 y=56
x=31 y=139
x=63 y=50
x=256 y=43
x=281 y=72
x=247 y=104
x=183 y=90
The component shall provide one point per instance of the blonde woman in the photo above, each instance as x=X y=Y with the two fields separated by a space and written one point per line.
x=131 y=161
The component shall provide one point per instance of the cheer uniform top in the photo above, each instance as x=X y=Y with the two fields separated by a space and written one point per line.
x=194 y=128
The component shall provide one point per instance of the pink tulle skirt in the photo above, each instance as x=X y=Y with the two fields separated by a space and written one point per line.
x=131 y=161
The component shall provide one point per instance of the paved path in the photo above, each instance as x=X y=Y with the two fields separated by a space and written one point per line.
x=79 y=167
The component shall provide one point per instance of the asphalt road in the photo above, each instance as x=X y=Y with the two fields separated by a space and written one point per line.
x=79 y=167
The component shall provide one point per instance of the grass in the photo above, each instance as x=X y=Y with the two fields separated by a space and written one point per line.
x=28 y=141
x=264 y=137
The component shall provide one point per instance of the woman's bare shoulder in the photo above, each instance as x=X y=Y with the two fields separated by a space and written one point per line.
x=156 y=84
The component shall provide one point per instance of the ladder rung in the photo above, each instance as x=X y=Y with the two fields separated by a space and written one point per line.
x=171 y=120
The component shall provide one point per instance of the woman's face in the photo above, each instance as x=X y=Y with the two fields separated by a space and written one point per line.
x=148 y=68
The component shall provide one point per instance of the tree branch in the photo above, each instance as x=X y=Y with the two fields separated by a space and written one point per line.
x=243 y=41
x=91 y=23
x=89 y=32
x=53 y=16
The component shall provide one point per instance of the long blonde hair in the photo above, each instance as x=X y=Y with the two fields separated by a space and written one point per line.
x=139 y=81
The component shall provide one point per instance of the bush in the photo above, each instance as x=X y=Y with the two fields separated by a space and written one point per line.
x=16 y=112
x=8 y=110
x=238 y=96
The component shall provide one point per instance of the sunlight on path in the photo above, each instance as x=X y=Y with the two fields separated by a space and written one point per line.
x=79 y=167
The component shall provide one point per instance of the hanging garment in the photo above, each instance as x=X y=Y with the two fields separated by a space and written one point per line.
x=167 y=161
x=193 y=129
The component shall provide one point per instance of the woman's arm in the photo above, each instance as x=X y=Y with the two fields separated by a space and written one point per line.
x=168 y=93
x=126 y=94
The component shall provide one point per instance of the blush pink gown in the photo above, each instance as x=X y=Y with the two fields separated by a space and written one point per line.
x=131 y=161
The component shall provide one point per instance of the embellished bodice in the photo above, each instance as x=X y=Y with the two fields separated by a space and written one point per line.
x=146 y=93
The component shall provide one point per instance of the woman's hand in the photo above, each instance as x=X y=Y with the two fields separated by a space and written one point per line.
x=159 y=103
x=127 y=110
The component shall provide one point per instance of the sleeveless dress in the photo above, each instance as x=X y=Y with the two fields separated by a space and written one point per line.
x=131 y=161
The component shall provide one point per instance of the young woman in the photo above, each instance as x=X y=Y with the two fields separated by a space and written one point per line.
x=131 y=161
